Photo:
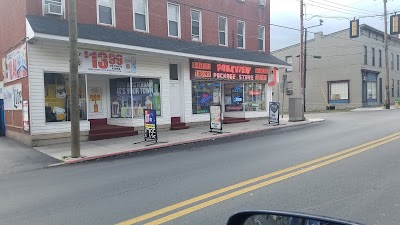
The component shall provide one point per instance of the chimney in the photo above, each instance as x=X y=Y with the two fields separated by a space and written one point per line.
x=318 y=35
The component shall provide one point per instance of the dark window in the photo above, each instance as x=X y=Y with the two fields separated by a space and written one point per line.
x=392 y=87
x=398 y=88
x=365 y=55
x=398 y=63
x=380 y=58
x=173 y=72
x=373 y=56
x=392 y=62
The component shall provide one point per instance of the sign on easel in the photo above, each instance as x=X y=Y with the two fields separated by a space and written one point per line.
x=150 y=125
x=273 y=112
x=215 y=118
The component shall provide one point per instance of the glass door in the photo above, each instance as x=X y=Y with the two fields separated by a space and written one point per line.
x=233 y=100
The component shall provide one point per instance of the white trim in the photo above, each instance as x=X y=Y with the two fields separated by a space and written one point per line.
x=226 y=31
x=146 y=15
x=259 y=38
x=112 y=16
x=179 y=19
x=244 y=34
x=62 y=5
x=200 y=25
x=158 y=51
x=29 y=31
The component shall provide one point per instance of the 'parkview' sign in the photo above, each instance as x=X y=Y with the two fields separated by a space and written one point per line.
x=203 y=70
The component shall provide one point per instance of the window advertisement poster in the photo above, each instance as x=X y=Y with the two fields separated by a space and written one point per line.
x=1 y=89
x=131 y=100
x=16 y=64
x=273 y=112
x=150 y=124
x=205 y=94
x=95 y=100
x=13 y=97
x=106 y=62
x=215 y=117
x=25 y=115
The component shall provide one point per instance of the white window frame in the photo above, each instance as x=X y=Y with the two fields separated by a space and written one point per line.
x=200 y=25
x=244 y=34
x=112 y=12
x=258 y=38
x=62 y=5
x=291 y=63
x=226 y=31
x=179 y=20
x=146 y=15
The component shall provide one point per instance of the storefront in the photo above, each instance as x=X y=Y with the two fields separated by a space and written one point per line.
x=241 y=90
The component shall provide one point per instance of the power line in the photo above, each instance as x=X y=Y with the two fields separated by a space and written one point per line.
x=364 y=10
x=335 y=7
x=330 y=9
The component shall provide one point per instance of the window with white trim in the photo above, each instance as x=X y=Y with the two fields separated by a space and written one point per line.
x=261 y=38
x=339 y=92
x=289 y=60
x=241 y=28
x=54 y=7
x=174 y=29
x=105 y=9
x=141 y=15
x=195 y=16
x=223 y=30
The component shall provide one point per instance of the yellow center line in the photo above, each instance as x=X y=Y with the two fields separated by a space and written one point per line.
x=244 y=183
x=262 y=184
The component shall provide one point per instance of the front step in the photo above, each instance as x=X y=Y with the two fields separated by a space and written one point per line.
x=176 y=124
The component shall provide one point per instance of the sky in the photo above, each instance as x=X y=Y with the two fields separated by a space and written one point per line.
x=335 y=13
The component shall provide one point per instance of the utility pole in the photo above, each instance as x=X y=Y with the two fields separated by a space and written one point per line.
x=305 y=69
x=387 y=102
x=73 y=73
x=302 y=54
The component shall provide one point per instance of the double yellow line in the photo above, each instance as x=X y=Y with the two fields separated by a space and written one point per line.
x=253 y=184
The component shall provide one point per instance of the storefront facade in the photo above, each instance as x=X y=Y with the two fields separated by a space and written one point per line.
x=119 y=90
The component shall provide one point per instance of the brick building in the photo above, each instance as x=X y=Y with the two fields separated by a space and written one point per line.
x=177 y=57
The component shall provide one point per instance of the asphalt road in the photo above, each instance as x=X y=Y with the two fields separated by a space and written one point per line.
x=362 y=187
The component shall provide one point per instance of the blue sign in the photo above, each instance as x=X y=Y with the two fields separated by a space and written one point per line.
x=150 y=124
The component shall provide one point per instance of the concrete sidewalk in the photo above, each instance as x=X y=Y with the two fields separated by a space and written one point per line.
x=91 y=150
x=366 y=109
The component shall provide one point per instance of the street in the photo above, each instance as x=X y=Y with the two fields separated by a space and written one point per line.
x=361 y=183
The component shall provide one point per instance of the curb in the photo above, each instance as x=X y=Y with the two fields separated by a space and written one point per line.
x=92 y=158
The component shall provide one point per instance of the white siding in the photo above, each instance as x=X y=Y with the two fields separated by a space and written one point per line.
x=52 y=57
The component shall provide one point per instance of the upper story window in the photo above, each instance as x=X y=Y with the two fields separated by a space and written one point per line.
x=105 y=12
x=365 y=55
x=373 y=56
x=392 y=62
x=241 y=28
x=53 y=7
x=398 y=62
x=223 y=30
x=140 y=8
x=195 y=16
x=380 y=58
x=261 y=38
x=289 y=60
x=262 y=3
x=174 y=23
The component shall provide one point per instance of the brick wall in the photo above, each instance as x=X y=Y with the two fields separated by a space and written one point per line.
x=234 y=10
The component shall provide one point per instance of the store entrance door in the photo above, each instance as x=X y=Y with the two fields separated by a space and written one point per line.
x=175 y=98
x=233 y=100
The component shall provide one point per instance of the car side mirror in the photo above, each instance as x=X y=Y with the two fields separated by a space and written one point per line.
x=282 y=218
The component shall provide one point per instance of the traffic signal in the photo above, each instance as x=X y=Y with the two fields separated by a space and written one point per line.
x=394 y=24
x=354 y=28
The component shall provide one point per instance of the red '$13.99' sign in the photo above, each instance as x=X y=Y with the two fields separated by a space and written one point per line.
x=106 y=62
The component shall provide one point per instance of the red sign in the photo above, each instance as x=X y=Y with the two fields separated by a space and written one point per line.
x=203 y=70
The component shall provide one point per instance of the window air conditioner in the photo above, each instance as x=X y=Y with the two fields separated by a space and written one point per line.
x=54 y=9
x=261 y=3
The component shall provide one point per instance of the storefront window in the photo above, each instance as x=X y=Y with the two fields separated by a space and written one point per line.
x=58 y=95
x=254 y=97
x=371 y=89
x=233 y=97
x=205 y=94
x=129 y=101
